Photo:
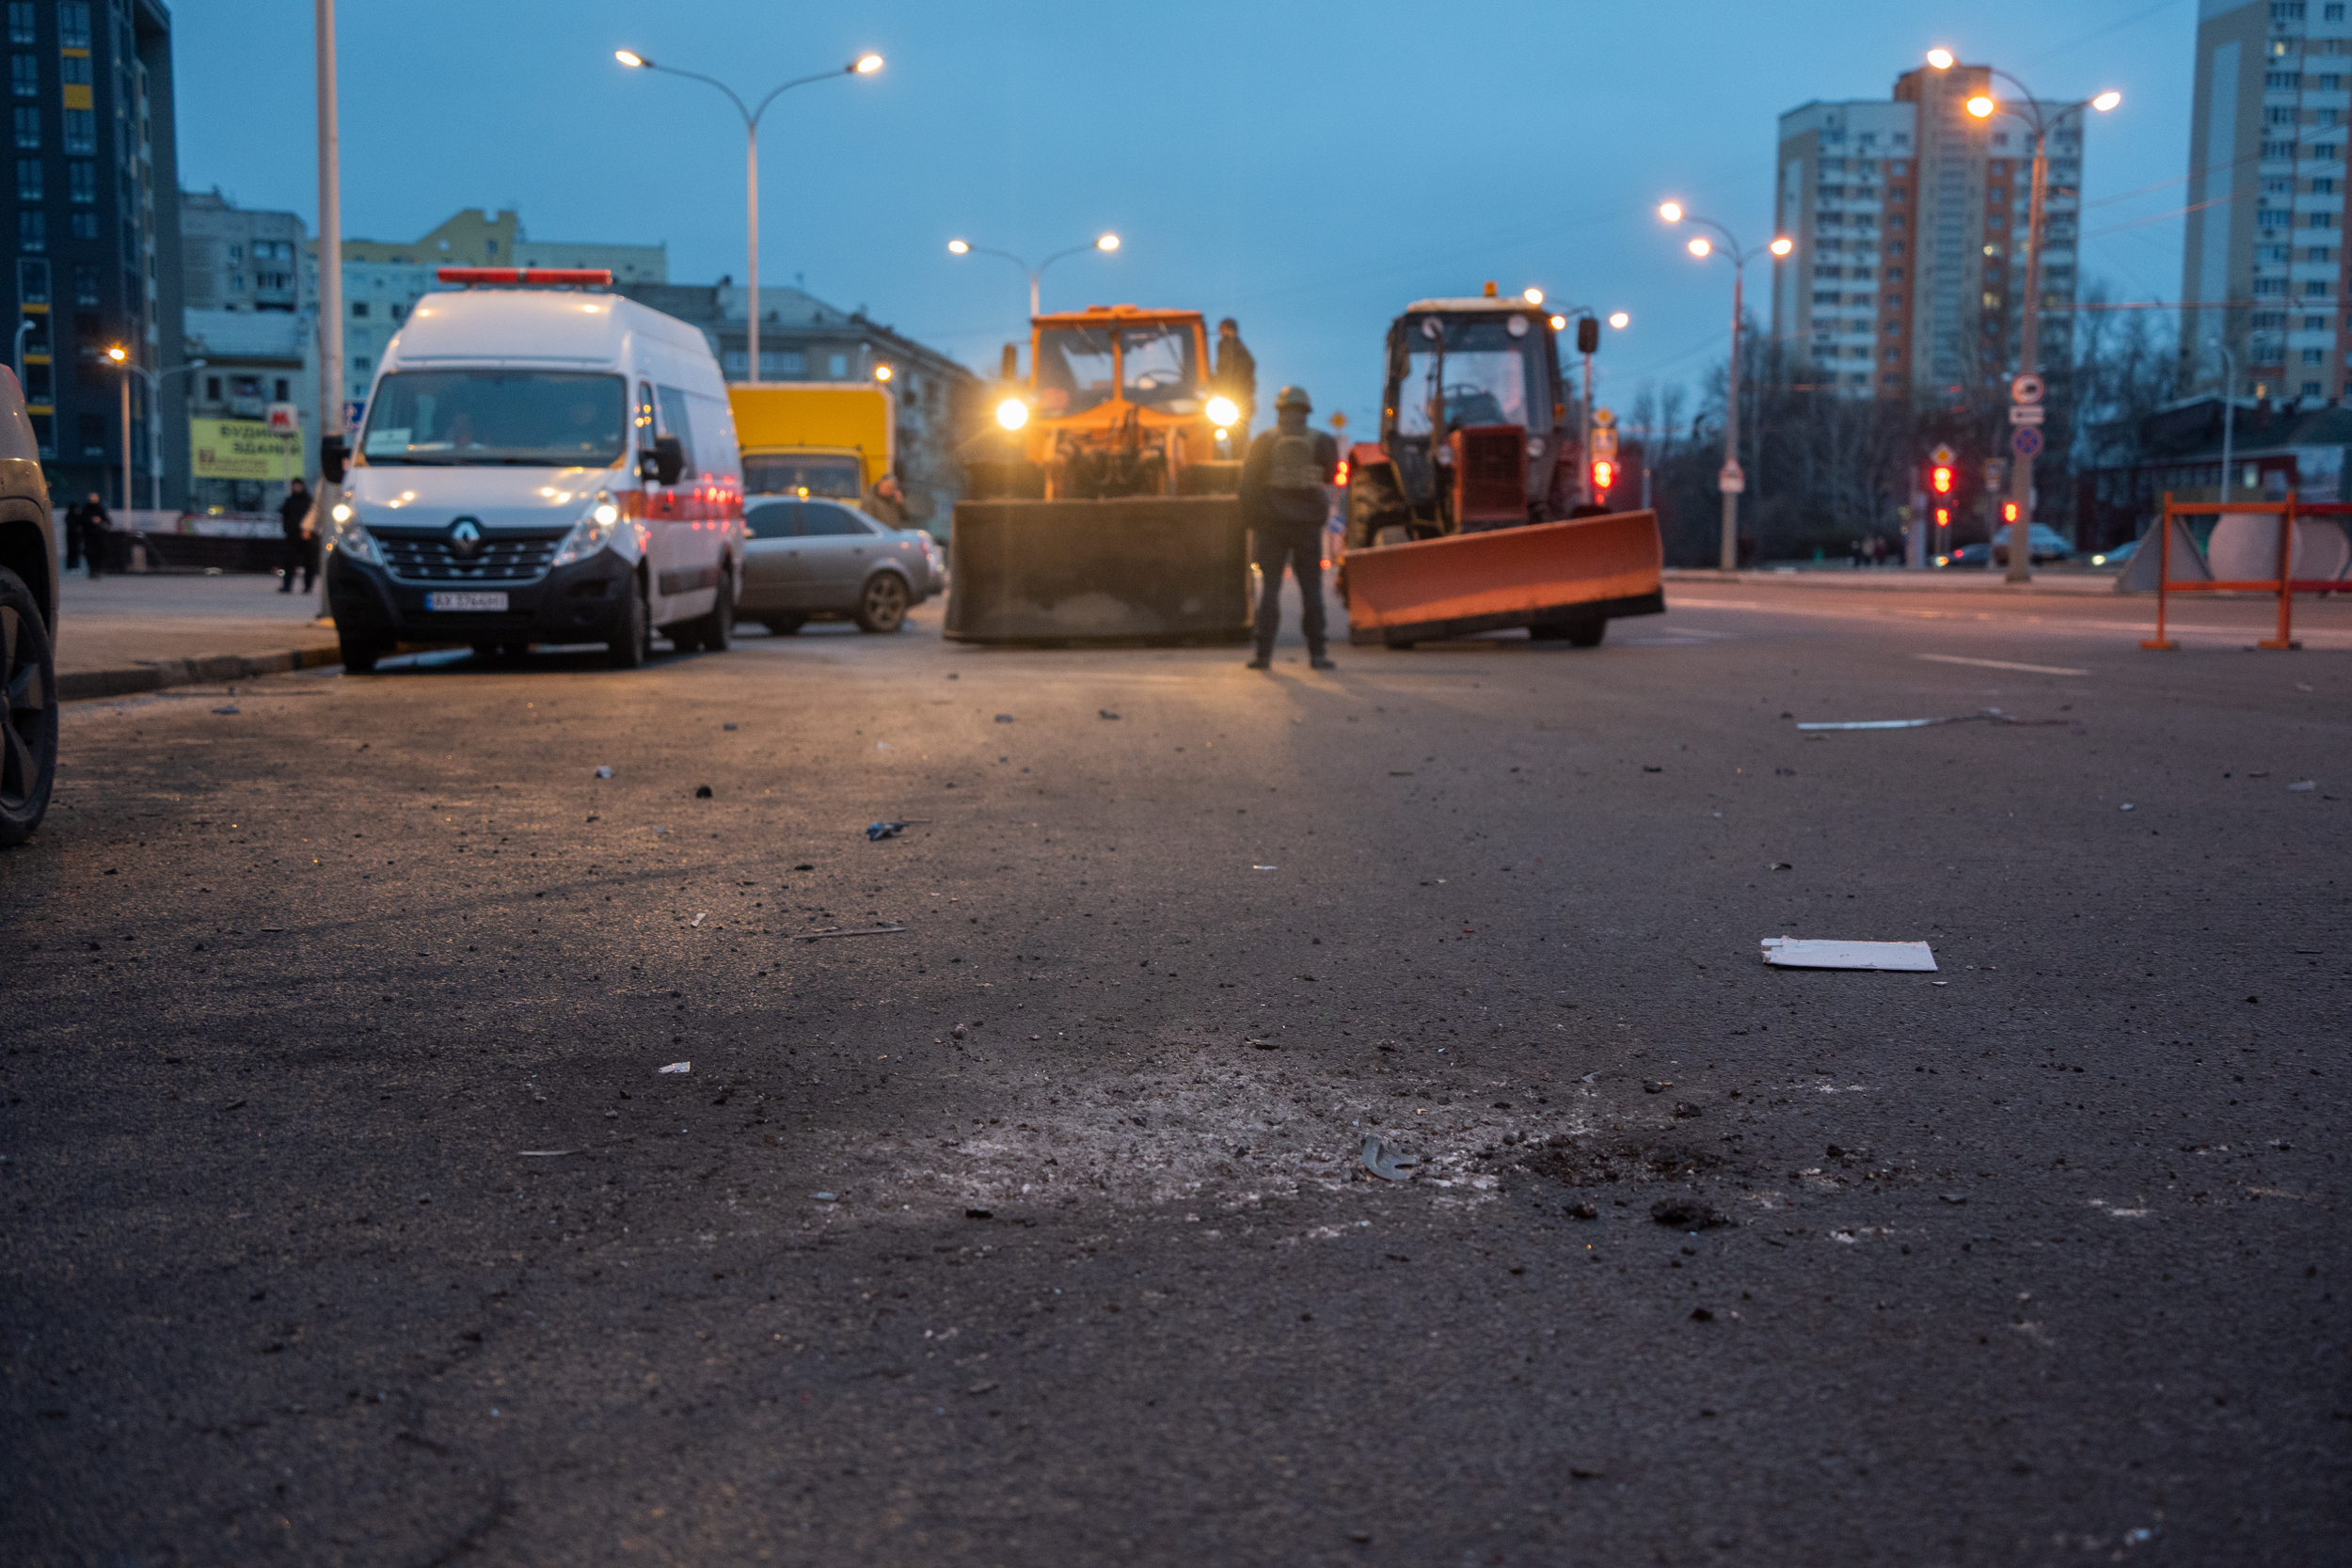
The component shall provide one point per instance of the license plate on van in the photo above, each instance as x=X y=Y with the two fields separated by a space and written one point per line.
x=476 y=603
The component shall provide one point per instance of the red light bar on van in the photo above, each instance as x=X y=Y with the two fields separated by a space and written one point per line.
x=576 y=276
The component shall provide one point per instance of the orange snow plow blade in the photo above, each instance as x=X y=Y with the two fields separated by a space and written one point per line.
x=1566 y=579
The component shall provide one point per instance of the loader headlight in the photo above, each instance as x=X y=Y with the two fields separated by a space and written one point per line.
x=1012 y=413
x=590 y=534
x=1223 y=411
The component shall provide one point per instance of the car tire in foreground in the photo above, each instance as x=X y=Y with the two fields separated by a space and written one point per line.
x=715 y=632
x=631 y=647
x=28 y=727
x=883 y=608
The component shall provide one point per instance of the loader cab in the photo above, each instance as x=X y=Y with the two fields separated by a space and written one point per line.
x=1475 y=364
x=1120 y=404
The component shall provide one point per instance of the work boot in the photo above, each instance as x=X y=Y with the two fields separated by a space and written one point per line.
x=1320 y=662
x=1261 y=662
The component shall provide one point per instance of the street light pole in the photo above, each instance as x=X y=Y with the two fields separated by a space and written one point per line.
x=1730 y=480
x=1106 y=243
x=154 y=400
x=1983 y=106
x=330 y=301
x=865 y=65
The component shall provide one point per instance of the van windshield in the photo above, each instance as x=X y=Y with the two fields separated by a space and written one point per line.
x=532 y=419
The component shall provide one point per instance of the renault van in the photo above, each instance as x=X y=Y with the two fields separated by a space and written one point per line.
x=541 y=462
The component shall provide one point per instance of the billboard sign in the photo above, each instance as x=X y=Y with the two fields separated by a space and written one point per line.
x=242 y=449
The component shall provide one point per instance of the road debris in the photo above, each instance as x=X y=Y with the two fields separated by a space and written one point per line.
x=699 y=918
x=959 y=1031
x=1004 y=719
x=679 y=1067
x=849 y=931
x=1989 y=715
x=826 y=1198
x=1580 y=1211
x=1657 y=1086
x=1687 y=1213
x=229 y=709
x=2302 y=784
x=1385 y=1160
x=727 y=726
x=545 y=1153
x=1105 y=713
x=1795 y=953
x=604 y=772
x=1265 y=868
x=702 y=792
x=979 y=1213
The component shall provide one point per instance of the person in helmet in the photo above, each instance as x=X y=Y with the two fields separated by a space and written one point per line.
x=1283 y=500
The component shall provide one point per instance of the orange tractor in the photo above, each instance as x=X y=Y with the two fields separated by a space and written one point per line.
x=1462 y=518
x=1110 y=517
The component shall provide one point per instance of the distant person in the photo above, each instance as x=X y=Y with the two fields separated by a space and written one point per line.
x=294 y=520
x=73 y=537
x=1236 y=376
x=1283 y=503
x=95 y=524
x=886 y=502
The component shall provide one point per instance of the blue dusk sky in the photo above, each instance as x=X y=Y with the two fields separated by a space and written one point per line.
x=1308 y=168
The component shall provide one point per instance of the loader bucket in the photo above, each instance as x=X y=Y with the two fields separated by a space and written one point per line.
x=1577 y=573
x=1139 y=569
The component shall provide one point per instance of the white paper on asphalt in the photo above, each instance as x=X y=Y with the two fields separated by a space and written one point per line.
x=1795 y=953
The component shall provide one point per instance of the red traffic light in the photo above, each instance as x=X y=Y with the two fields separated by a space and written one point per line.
x=1940 y=479
x=1943 y=518
x=1604 y=473
x=2009 y=512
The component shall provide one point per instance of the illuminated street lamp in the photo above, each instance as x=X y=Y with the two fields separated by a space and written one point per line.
x=1107 y=243
x=865 y=65
x=2034 y=113
x=1731 y=481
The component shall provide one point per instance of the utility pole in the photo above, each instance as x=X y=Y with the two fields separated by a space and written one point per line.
x=330 y=300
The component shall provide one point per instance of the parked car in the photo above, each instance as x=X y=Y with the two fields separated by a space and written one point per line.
x=28 y=623
x=820 y=561
x=1967 y=555
x=542 y=463
x=2120 y=556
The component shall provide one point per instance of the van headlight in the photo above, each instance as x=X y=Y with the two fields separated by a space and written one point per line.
x=344 y=533
x=590 y=534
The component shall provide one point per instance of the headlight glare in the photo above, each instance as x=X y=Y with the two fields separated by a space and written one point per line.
x=590 y=534
x=346 y=533
x=1221 y=411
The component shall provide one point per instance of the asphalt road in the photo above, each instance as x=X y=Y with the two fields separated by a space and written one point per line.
x=351 y=1218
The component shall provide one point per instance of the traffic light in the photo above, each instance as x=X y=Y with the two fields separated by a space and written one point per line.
x=1604 y=473
x=1942 y=516
x=1588 y=335
x=2009 y=512
x=1940 y=478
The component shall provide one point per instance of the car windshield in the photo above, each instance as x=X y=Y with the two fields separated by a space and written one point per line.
x=531 y=418
x=1157 y=366
x=1489 y=372
x=1073 y=370
x=785 y=475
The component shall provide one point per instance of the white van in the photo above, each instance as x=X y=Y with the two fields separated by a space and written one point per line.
x=540 y=464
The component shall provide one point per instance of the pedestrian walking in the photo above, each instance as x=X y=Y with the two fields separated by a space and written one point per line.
x=1283 y=503
x=886 y=502
x=95 y=524
x=1236 y=376
x=73 y=537
x=294 y=520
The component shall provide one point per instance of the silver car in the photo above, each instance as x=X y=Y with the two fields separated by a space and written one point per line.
x=820 y=561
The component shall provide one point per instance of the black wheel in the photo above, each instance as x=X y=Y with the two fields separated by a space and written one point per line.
x=717 y=629
x=358 y=657
x=28 y=732
x=785 y=626
x=883 y=608
x=632 y=640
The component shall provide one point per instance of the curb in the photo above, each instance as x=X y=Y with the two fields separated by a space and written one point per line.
x=1900 y=582
x=80 y=686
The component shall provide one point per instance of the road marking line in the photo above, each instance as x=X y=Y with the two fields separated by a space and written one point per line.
x=2000 y=664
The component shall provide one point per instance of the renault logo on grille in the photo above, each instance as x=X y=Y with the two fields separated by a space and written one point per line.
x=465 y=538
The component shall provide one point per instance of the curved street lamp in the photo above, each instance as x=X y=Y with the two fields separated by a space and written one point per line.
x=865 y=65
x=1731 y=481
x=1106 y=243
x=2040 y=119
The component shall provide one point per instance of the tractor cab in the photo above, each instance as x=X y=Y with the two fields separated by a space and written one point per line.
x=1120 y=403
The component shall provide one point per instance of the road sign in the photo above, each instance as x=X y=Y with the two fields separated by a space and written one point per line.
x=352 y=412
x=1941 y=457
x=2027 y=413
x=1730 y=480
x=284 y=420
x=1994 y=469
x=2025 y=390
x=1604 y=442
x=2025 y=440
x=1604 y=418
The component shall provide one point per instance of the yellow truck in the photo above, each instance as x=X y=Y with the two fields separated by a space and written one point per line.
x=831 y=438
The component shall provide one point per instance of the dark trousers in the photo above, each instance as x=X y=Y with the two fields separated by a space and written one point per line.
x=1301 y=546
x=298 y=558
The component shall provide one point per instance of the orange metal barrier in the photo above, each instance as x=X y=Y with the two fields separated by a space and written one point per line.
x=2285 y=585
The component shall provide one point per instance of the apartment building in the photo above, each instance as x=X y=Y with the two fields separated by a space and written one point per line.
x=1910 y=219
x=237 y=258
x=96 y=227
x=2264 y=265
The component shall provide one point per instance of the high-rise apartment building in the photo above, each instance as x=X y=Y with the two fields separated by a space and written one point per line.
x=1910 y=219
x=94 y=214
x=239 y=258
x=2264 y=263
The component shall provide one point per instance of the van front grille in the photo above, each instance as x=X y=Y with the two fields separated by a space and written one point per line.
x=516 y=556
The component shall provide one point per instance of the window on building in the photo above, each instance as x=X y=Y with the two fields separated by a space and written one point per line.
x=25 y=75
x=81 y=182
x=2278 y=79
x=283 y=387
x=2314 y=290
x=398 y=312
x=27 y=125
x=2315 y=323
x=2315 y=357
x=75 y=71
x=2276 y=115
x=838 y=366
x=2326 y=152
x=20 y=21
x=360 y=307
x=2330 y=84
x=84 y=283
x=73 y=25
x=212 y=388
x=28 y=172
x=32 y=282
x=2331 y=13
x=2310 y=388
x=32 y=229
x=236 y=282
x=362 y=363
x=81 y=130
x=92 y=428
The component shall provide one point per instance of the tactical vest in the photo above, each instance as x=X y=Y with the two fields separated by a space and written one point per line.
x=1293 y=465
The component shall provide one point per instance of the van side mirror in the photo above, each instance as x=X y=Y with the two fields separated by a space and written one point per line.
x=664 y=463
x=333 y=458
